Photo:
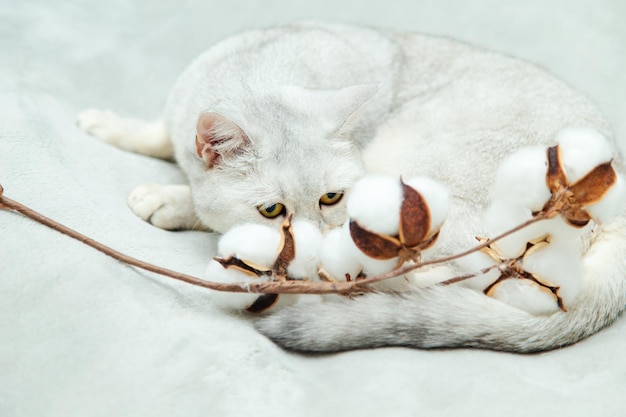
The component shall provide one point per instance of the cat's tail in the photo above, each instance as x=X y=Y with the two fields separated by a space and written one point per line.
x=454 y=316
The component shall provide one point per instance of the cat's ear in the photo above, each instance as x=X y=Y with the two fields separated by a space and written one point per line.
x=218 y=138
x=347 y=104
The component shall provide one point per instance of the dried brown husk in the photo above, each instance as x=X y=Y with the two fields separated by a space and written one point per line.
x=286 y=250
x=570 y=200
x=263 y=303
x=414 y=217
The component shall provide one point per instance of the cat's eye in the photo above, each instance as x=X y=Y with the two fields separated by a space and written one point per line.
x=272 y=211
x=329 y=199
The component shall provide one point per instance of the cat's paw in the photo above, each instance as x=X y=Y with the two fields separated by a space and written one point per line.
x=167 y=207
x=102 y=124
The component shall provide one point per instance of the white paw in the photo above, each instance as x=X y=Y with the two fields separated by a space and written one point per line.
x=167 y=207
x=102 y=124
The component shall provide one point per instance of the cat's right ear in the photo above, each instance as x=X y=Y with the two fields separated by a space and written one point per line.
x=345 y=106
x=218 y=138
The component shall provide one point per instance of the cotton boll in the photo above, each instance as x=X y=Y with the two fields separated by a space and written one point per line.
x=604 y=210
x=229 y=300
x=437 y=197
x=336 y=255
x=558 y=264
x=252 y=242
x=473 y=263
x=521 y=179
x=526 y=296
x=375 y=202
x=308 y=240
x=582 y=149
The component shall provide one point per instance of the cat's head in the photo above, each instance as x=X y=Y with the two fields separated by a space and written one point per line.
x=290 y=152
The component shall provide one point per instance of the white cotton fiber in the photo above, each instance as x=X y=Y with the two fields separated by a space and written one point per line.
x=557 y=264
x=526 y=296
x=336 y=256
x=373 y=267
x=375 y=202
x=582 y=149
x=437 y=198
x=604 y=210
x=285 y=300
x=521 y=179
x=253 y=242
x=500 y=217
x=559 y=230
x=229 y=300
x=473 y=263
x=308 y=238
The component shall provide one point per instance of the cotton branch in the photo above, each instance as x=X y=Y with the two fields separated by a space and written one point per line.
x=262 y=287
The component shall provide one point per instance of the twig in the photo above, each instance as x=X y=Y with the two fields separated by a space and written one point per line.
x=468 y=276
x=262 y=287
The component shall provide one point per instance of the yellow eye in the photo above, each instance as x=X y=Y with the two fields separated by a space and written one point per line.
x=271 y=211
x=329 y=199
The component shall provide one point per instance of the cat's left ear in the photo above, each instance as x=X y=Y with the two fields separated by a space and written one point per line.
x=218 y=138
x=346 y=105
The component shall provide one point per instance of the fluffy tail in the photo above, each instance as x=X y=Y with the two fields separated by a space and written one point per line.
x=453 y=316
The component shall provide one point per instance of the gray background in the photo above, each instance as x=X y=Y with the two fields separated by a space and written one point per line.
x=83 y=335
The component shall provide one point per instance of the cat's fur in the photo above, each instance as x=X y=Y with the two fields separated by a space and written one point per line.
x=300 y=111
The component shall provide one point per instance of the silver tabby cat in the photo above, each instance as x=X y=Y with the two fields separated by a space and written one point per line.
x=285 y=120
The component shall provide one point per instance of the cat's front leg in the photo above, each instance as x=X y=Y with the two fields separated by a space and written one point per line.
x=168 y=207
x=135 y=135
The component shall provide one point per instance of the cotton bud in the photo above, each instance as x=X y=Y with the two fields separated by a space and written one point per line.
x=571 y=199
x=550 y=280
x=308 y=238
x=521 y=293
x=542 y=268
x=337 y=256
x=544 y=279
x=251 y=252
x=391 y=222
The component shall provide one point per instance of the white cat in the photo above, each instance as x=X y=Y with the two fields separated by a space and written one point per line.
x=285 y=120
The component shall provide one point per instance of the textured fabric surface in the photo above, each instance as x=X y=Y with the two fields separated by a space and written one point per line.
x=83 y=335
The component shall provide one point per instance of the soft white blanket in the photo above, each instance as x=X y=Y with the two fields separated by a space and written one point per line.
x=83 y=335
